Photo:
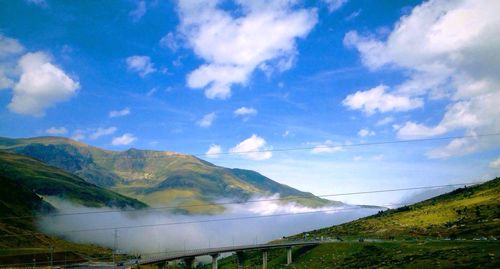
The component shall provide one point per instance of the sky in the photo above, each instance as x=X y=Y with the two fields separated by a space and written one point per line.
x=216 y=77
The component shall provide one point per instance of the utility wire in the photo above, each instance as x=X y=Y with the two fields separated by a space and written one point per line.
x=207 y=220
x=344 y=145
x=243 y=202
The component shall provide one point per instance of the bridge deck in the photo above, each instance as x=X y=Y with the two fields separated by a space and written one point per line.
x=214 y=251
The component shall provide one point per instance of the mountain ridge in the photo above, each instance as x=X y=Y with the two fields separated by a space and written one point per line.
x=156 y=177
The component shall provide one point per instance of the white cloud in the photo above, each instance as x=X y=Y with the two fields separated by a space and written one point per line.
x=78 y=135
x=245 y=111
x=262 y=36
x=140 y=64
x=365 y=132
x=353 y=15
x=9 y=46
x=123 y=140
x=169 y=41
x=476 y=114
x=286 y=133
x=9 y=51
x=326 y=147
x=415 y=130
x=377 y=99
x=102 y=132
x=457 y=147
x=41 y=3
x=207 y=120
x=119 y=113
x=495 y=163
x=334 y=5
x=139 y=11
x=384 y=121
x=214 y=151
x=253 y=148
x=152 y=91
x=40 y=86
x=56 y=131
x=445 y=58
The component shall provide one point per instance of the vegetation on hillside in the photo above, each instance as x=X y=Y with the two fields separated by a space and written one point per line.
x=45 y=180
x=156 y=177
x=459 y=229
x=24 y=181
x=467 y=212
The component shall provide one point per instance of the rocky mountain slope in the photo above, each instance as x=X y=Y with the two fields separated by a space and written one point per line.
x=156 y=177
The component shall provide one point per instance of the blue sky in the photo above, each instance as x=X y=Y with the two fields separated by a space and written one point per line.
x=224 y=76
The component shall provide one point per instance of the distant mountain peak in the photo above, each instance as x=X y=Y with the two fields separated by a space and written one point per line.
x=155 y=177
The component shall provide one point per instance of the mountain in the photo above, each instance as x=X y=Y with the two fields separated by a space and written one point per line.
x=25 y=185
x=35 y=179
x=156 y=177
x=459 y=229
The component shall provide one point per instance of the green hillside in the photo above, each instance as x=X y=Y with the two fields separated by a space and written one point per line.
x=44 y=180
x=24 y=184
x=156 y=177
x=455 y=230
x=468 y=212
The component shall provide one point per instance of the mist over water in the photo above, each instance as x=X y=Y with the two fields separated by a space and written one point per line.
x=178 y=237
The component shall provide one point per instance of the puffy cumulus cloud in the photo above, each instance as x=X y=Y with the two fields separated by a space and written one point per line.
x=141 y=65
x=123 y=140
x=40 y=86
x=378 y=100
x=495 y=163
x=326 y=147
x=57 y=131
x=457 y=147
x=253 y=148
x=119 y=113
x=207 y=120
x=365 y=132
x=449 y=50
x=214 y=151
x=245 y=111
x=102 y=132
x=262 y=36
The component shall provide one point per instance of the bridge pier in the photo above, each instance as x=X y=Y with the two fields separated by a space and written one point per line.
x=188 y=262
x=240 y=259
x=289 y=256
x=214 y=260
x=264 y=259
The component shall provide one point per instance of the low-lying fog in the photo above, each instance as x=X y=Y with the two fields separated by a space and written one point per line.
x=177 y=237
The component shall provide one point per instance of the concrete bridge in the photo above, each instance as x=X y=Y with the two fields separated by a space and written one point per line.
x=189 y=256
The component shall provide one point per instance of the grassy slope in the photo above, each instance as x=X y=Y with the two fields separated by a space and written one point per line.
x=50 y=181
x=464 y=213
x=155 y=177
x=16 y=234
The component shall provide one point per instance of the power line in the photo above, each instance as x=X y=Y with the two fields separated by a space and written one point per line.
x=245 y=202
x=344 y=145
x=209 y=220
